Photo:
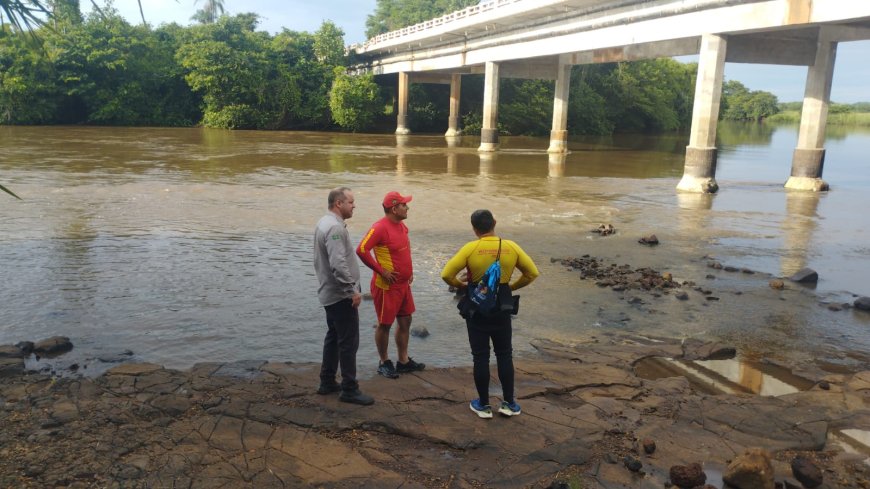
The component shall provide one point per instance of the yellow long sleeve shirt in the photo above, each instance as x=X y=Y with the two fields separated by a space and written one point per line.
x=477 y=256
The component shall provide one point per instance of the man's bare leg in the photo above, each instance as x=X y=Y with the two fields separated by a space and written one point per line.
x=403 y=334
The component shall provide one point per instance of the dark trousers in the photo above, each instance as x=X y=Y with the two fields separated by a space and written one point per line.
x=341 y=344
x=480 y=332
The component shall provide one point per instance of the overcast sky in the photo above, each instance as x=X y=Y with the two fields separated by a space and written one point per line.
x=851 y=73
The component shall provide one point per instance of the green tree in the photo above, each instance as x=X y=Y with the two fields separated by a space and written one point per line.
x=329 y=44
x=354 y=100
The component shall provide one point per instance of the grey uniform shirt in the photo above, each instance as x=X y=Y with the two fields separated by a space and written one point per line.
x=334 y=260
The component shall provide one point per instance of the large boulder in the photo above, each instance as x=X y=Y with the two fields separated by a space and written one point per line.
x=751 y=470
x=805 y=276
x=53 y=346
x=10 y=351
x=862 y=303
x=11 y=366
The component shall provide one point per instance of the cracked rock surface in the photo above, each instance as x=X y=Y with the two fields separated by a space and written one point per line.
x=261 y=425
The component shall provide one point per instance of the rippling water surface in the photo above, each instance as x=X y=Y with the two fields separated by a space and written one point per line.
x=188 y=245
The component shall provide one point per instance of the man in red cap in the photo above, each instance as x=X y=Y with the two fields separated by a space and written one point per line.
x=391 y=282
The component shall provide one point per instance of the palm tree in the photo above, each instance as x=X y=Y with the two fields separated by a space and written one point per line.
x=210 y=11
x=23 y=14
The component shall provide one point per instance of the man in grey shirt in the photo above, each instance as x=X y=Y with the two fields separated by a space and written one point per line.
x=339 y=293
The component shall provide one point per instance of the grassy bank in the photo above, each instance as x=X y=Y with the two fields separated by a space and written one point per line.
x=843 y=118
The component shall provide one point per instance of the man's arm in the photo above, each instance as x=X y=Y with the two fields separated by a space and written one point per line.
x=455 y=265
x=364 y=251
x=526 y=266
x=337 y=246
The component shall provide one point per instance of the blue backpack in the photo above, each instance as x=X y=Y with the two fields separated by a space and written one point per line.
x=485 y=294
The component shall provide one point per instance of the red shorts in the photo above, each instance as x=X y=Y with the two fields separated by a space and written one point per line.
x=389 y=304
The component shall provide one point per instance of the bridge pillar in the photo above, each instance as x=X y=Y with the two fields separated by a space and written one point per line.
x=489 y=131
x=559 y=133
x=402 y=118
x=699 y=170
x=453 y=123
x=809 y=156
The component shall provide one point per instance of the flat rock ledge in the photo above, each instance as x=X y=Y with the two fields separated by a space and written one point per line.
x=261 y=425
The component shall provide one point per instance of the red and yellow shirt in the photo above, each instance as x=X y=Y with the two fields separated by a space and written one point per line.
x=392 y=252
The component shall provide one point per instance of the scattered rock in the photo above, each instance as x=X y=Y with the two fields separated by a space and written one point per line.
x=668 y=276
x=710 y=276
x=419 y=331
x=53 y=346
x=715 y=265
x=649 y=446
x=731 y=269
x=806 y=472
x=688 y=476
x=610 y=458
x=824 y=385
x=604 y=229
x=682 y=295
x=776 y=284
x=632 y=463
x=116 y=358
x=649 y=240
x=862 y=303
x=751 y=470
x=619 y=278
x=805 y=276
x=25 y=346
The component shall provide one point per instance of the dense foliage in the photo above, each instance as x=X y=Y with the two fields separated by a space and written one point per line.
x=221 y=73
x=224 y=73
x=741 y=104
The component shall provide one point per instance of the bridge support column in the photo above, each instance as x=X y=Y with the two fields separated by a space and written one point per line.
x=489 y=131
x=402 y=117
x=699 y=171
x=809 y=156
x=559 y=133
x=453 y=129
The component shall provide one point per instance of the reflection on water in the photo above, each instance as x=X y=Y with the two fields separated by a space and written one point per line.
x=730 y=376
x=188 y=245
x=798 y=230
x=853 y=441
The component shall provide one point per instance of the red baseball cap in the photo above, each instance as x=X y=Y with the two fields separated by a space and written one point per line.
x=395 y=198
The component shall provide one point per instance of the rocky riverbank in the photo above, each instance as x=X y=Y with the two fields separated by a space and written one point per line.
x=592 y=418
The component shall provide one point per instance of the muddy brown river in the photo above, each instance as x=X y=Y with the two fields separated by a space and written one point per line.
x=190 y=245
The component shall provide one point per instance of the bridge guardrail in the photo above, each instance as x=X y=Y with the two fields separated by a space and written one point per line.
x=482 y=7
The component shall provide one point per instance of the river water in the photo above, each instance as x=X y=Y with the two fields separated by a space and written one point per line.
x=190 y=245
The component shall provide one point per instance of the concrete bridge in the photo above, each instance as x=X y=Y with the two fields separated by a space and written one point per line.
x=542 y=39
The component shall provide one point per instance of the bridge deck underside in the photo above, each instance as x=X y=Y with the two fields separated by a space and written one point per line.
x=530 y=41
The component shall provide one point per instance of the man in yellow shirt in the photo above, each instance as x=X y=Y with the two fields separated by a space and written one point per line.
x=475 y=257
